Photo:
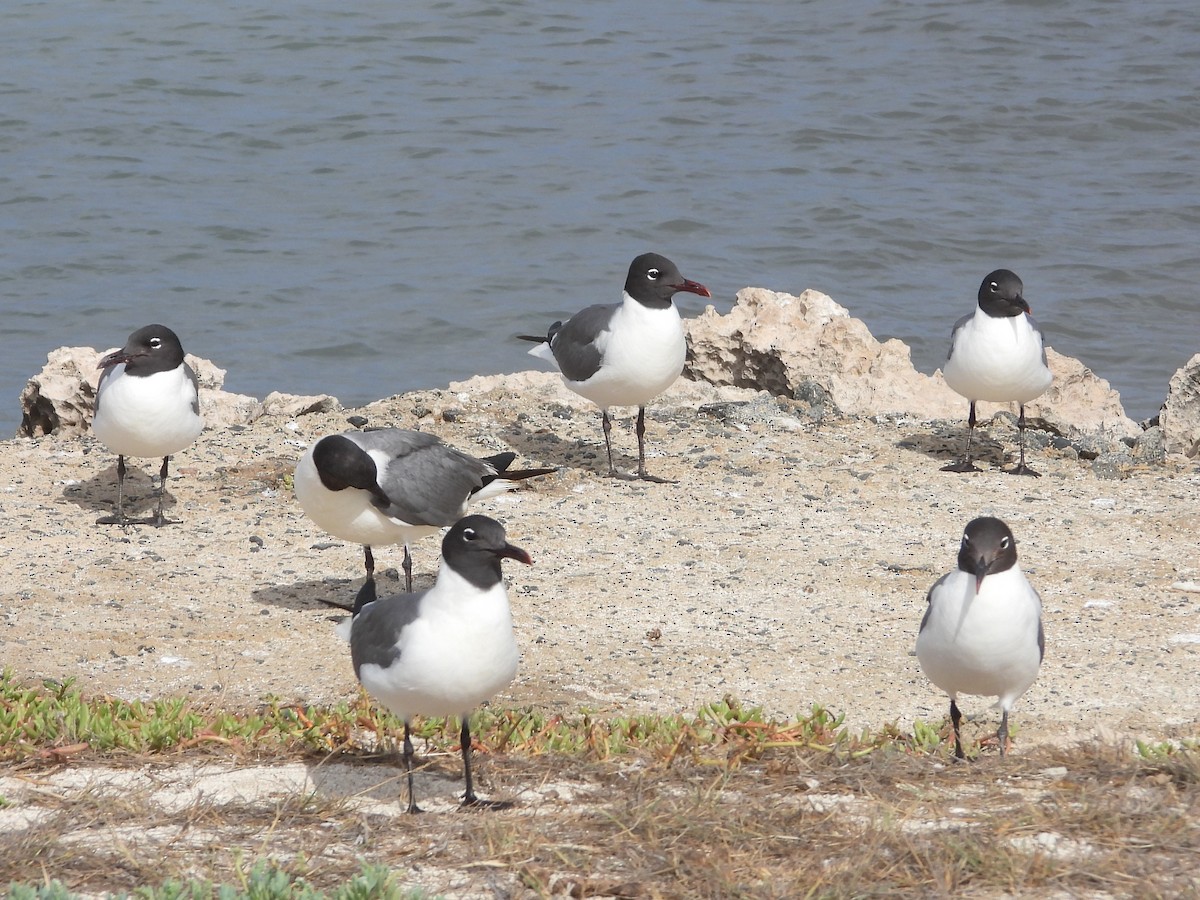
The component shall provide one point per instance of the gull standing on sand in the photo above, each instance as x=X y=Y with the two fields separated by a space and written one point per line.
x=147 y=405
x=627 y=353
x=394 y=486
x=982 y=630
x=443 y=651
x=996 y=354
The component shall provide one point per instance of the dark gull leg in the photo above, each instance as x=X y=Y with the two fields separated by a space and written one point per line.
x=965 y=464
x=641 y=438
x=408 y=767
x=955 y=720
x=119 y=517
x=407 y=566
x=606 y=424
x=1021 y=468
x=159 y=520
x=469 y=798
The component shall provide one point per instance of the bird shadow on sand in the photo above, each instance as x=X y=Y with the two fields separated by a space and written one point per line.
x=540 y=447
x=380 y=777
x=945 y=444
x=98 y=494
x=334 y=593
x=319 y=593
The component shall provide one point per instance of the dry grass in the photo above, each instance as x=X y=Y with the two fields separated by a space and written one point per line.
x=893 y=824
x=723 y=804
x=794 y=823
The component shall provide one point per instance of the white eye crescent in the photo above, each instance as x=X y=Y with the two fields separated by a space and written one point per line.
x=469 y=534
x=652 y=274
x=155 y=343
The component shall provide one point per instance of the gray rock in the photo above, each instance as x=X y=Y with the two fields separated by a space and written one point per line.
x=1180 y=416
x=1093 y=446
x=1150 y=446
x=289 y=406
x=1112 y=466
x=763 y=409
x=818 y=401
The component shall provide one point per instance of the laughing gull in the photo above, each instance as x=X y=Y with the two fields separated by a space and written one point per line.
x=996 y=354
x=146 y=406
x=393 y=486
x=982 y=631
x=627 y=353
x=443 y=651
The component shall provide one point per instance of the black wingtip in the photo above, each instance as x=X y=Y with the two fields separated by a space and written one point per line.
x=500 y=461
x=522 y=474
x=541 y=339
x=366 y=595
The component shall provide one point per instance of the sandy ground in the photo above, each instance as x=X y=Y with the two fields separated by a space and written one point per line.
x=788 y=566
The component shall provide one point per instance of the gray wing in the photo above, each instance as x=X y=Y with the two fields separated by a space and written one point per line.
x=375 y=632
x=1041 y=631
x=425 y=481
x=954 y=331
x=929 y=600
x=195 y=387
x=104 y=376
x=574 y=344
x=1037 y=329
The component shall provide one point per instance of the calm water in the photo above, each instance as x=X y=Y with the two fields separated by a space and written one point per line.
x=368 y=200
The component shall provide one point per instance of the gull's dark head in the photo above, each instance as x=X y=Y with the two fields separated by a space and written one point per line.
x=654 y=280
x=474 y=547
x=988 y=547
x=1000 y=295
x=154 y=348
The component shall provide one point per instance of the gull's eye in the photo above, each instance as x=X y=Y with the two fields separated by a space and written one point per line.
x=155 y=343
x=652 y=274
x=993 y=287
x=1005 y=543
x=469 y=534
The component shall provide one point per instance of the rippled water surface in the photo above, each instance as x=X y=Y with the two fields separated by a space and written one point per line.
x=366 y=200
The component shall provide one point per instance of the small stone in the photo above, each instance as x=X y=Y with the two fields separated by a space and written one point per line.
x=1112 y=466
x=1150 y=447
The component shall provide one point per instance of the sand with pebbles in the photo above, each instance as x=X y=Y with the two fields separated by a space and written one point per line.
x=787 y=566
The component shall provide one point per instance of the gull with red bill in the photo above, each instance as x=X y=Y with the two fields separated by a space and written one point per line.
x=443 y=651
x=627 y=353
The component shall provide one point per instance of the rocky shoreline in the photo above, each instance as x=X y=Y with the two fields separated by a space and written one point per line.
x=788 y=566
